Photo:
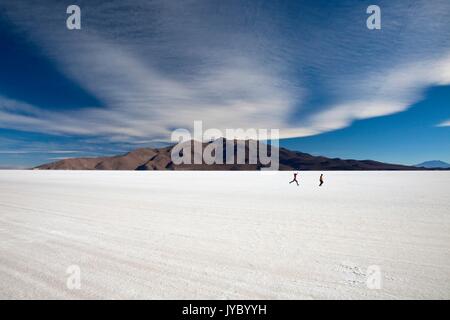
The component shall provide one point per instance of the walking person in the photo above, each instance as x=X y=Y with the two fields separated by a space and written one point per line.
x=321 y=180
x=295 y=179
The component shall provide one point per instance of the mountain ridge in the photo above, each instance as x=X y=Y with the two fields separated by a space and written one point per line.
x=434 y=164
x=160 y=159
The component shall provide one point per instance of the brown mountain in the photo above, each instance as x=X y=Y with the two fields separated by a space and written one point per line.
x=160 y=159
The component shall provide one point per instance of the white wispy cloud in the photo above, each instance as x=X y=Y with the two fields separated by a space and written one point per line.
x=380 y=93
x=224 y=65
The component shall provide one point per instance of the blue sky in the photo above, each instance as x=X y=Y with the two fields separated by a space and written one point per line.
x=137 y=70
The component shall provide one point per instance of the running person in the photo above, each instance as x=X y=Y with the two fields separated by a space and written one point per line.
x=295 y=179
x=321 y=180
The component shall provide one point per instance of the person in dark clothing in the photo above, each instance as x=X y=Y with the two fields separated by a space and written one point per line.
x=321 y=180
x=295 y=179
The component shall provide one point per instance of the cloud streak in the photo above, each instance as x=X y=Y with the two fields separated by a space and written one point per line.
x=161 y=65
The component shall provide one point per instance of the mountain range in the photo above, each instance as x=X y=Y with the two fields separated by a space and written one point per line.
x=434 y=164
x=160 y=159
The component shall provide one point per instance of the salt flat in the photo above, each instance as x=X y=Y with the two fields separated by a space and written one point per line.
x=224 y=235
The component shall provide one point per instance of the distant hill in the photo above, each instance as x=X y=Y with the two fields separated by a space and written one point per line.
x=434 y=164
x=160 y=159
